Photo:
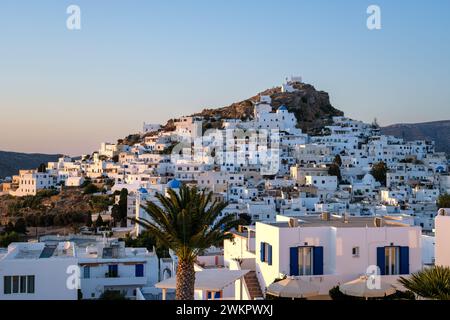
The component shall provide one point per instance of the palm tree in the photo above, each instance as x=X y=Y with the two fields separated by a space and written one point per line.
x=429 y=283
x=188 y=223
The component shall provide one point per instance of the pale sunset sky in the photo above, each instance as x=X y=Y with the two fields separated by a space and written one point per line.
x=64 y=91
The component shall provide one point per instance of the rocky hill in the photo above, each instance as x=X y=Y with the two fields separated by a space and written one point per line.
x=311 y=107
x=439 y=131
x=11 y=162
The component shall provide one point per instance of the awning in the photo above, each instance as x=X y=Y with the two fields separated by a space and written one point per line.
x=363 y=287
x=208 y=280
x=293 y=288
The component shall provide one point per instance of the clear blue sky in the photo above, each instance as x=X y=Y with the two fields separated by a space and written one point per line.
x=133 y=61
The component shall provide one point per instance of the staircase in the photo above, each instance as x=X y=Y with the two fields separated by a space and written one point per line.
x=252 y=283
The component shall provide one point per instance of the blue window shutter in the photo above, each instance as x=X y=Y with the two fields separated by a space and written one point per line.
x=318 y=260
x=294 y=261
x=87 y=272
x=269 y=258
x=209 y=295
x=139 y=271
x=262 y=251
x=404 y=260
x=217 y=295
x=380 y=260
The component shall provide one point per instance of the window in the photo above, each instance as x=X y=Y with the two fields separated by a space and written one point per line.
x=266 y=253
x=391 y=260
x=23 y=284
x=305 y=261
x=15 y=284
x=18 y=284
x=30 y=284
x=139 y=270
x=7 y=285
x=86 y=272
x=113 y=271
x=217 y=294
x=355 y=252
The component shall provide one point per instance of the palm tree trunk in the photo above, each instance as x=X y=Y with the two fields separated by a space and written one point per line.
x=185 y=280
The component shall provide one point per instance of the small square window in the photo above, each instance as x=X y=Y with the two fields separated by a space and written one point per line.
x=355 y=251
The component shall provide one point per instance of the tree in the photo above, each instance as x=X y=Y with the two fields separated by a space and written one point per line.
x=7 y=238
x=337 y=160
x=42 y=167
x=432 y=283
x=115 y=213
x=379 y=171
x=246 y=219
x=90 y=189
x=99 y=222
x=100 y=203
x=119 y=211
x=188 y=223
x=123 y=206
x=443 y=201
x=20 y=226
x=9 y=227
x=88 y=220
x=112 y=295
x=147 y=240
x=334 y=170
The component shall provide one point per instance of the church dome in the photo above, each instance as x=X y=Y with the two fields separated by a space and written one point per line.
x=174 y=184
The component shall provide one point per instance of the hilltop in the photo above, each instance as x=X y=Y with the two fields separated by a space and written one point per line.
x=439 y=131
x=311 y=107
x=12 y=162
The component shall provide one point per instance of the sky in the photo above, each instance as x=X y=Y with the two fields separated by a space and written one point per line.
x=66 y=91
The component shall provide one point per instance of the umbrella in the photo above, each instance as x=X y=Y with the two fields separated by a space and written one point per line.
x=363 y=287
x=293 y=288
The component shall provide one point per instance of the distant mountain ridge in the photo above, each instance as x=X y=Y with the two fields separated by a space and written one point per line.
x=438 y=131
x=12 y=162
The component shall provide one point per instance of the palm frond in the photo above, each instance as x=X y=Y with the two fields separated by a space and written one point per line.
x=430 y=283
x=188 y=222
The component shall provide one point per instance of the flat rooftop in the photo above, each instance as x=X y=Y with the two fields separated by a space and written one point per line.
x=340 y=222
x=39 y=251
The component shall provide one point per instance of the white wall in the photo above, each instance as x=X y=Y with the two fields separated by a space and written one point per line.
x=442 y=226
x=337 y=244
x=50 y=278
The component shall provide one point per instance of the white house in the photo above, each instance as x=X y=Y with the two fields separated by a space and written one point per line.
x=329 y=250
x=31 y=181
x=442 y=229
x=74 y=267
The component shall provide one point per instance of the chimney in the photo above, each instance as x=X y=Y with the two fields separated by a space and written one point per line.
x=293 y=223
x=346 y=218
x=378 y=222
x=325 y=216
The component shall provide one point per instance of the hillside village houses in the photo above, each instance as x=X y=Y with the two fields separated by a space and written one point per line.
x=307 y=220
